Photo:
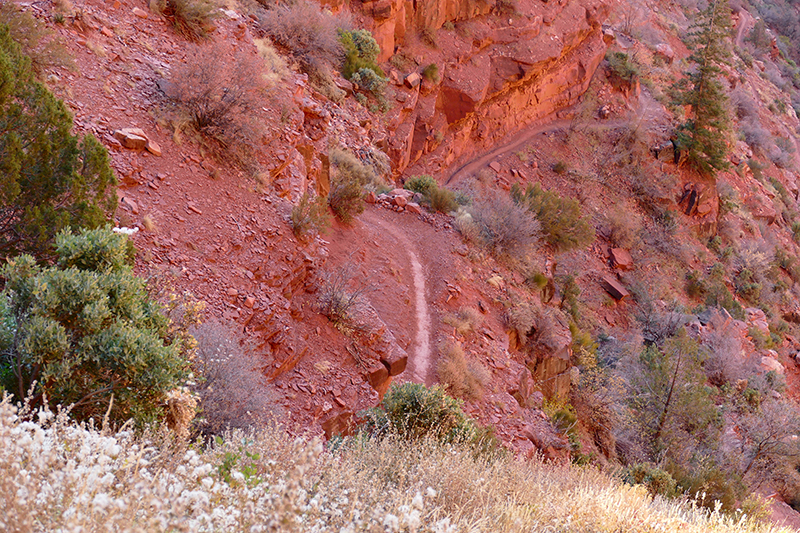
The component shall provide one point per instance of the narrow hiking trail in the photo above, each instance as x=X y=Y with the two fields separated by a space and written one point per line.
x=420 y=356
x=414 y=260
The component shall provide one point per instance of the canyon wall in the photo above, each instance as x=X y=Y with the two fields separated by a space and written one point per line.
x=499 y=71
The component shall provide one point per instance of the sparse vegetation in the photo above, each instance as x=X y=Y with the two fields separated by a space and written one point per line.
x=193 y=19
x=563 y=225
x=497 y=223
x=431 y=73
x=310 y=215
x=463 y=377
x=341 y=299
x=465 y=320
x=347 y=184
x=219 y=98
x=233 y=391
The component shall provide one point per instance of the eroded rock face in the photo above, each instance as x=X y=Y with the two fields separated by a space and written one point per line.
x=505 y=73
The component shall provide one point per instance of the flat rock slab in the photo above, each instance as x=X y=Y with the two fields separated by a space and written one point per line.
x=614 y=288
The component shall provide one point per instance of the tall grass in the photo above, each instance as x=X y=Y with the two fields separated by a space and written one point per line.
x=59 y=476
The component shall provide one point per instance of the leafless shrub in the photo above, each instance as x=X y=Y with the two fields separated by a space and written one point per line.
x=464 y=321
x=496 y=222
x=743 y=105
x=725 y=361
x=233 y=393
x=341 y=298
x=755 y=135
x=307 y=31
x=623 y=228
x=464 y=378
x=219 y=96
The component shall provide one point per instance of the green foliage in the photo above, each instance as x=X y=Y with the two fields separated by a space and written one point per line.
x=360 y=52
x=49 y=179
x=347 y=185
x=439 y=198
x=570 y=293
x=442 y=200
x=708 y=481
x=672 y=408
x=414 y=411
x=563 y=226
x=310 y=215
x=431 y=73
x=622 y=66
x=85 y=330
x=658 y=481
x=702 y=136
x=421 y=184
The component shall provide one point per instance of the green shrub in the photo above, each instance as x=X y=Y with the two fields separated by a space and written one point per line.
x=622 y=66
x=35 y=40
x=431 y=73
x=86 y=330
x=560 y=167
x=347 y=185
x=658 y=481
x=310 y=215
x=360 y=52
x=50 y=178
x=563 y=226
x=421 y=184
x=414 y=411
x=193 y=19
x=442 y=200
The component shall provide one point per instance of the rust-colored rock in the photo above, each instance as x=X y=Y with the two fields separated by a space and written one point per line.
x=342 y=425
x=395 y=361
x=621 y=259
x=376 y=374
x=614 y=288
x=131 y=138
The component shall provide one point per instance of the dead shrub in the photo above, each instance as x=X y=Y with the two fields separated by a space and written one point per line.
x=233 y=392
x=311 y=35
x=496 y=222
x=464 y=321
x=309 y=216
x=623 y=228
x=463 y=377
x=193 y=19
x=276 y=68
x=726 y=358
x=341 y=298
x=218 y=96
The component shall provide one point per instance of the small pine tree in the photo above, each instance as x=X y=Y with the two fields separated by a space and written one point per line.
x=703 y=134
x=49 y=179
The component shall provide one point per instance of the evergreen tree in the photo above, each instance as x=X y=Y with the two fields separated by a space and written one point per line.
x=702 y=136
x=49 y=179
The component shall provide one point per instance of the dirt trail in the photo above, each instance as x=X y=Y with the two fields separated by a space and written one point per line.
x=420 y=358
x=746 y=23
x=515 y=142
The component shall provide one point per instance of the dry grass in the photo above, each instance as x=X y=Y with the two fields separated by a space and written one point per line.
x=464 y=321
x=464 y=378
x=55 y=475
